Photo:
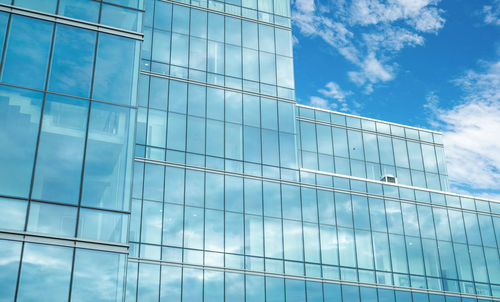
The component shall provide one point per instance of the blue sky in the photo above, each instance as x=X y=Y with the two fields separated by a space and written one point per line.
x=427 y=63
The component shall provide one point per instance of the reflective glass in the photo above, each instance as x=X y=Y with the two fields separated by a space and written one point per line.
x=19 y=121
x=149 y=279
x=170 y=286
x=13 y=214
x=48 y=6
x=9 y=267
x=102 y=226
x=52 y=219
x=86 y=10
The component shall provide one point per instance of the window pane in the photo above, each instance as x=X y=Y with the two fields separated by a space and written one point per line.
x=48 y=6
x=115 y=73
x=98 y=276
x=151 y=222
x=18 y=135
x=9 y=267
x=170 y=287
x=149 y=281
x=58 y=170
x=192 y=285
x=13 y=214
x=86 y=10
x=102 y=226
x=108 y=160
x=72 y=61
x=52 y=219
x=51 y=262
x=27 y=68
x=173 y=219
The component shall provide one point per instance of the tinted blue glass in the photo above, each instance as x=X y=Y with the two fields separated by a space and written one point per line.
x=58 y=170
x=173 y=219
x=170 y=287
x=120 y=17
x=115 y=71
x=27 y=68
x=86 y=10
x=234 y=233
x=13 y=214
x=151 y=222
x=52 y=219
x=295 y=290
x=108 y=158
x=72 y=61
x=4 y=19
x=9 y=267
x=52 y=262
x=102 y=226
x=98 y=276
x=192 y=285
x=46 y=6
x=214 y=286
x=19 y=120
x=149 y=279
x=153 y=182
x=161 y=46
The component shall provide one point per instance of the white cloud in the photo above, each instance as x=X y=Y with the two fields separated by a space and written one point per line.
x=332 y=90
x=368 y=33
x=334 y=98
x=491 y=13
x=319 y=102
x=471 y=131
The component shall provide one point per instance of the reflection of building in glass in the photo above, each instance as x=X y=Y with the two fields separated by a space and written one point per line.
x=181 y=169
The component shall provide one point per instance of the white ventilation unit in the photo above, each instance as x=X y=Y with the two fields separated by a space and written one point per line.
x=389 y=178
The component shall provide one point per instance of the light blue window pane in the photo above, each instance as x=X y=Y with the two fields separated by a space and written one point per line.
x=233 y=107
x=385 y=295
x=283 y=42
x=385 y=148
x=251 y=110
x=273 y=239
x=198 y=23
x=270 y=147
x=214 y=286
x=360 y=211
x=174 y=185
x=233 y=31
x=275 y=289
x=214 y=230
x=180 y=54
x=58 y=171
x=355 y=145
x=215 y=103
x=153 y=182
x=193 y=228
x=415 y=155
x=284 y=71
x=314 y=291
x=291 y=202
x=98 y=276
x=196 y=100
x=462 y=261
x=286 y=117
x=254 y=288
x=135 y=220
x=46 y=6
x=25 y=68
x=431 y=258
x=234 y=193
x=272 y=201
x=269 y=114
x=292 y=236
x=448 y=268
x=234 y=233
x=381 y=251
x=332 y=292
x=377 y=215
x=266 y=38
x=254 y=235
x=253 y=196
x=4 y=19
x=161 y=46
x=398 y=254
x=371 y=147
x=120 y=17
x=52 y=219
x=252 y=144
x=13 y=214
x=267 y=68
x=493 y=262
x=487 y=231
x=457 y=226
x=235 y=287
x=429 y=156
x=180 y=21
x=195 y=181
x=400 y=153
x=103 y=226
x=250 y=69
x=233 y=141
x=311 y=240
x=177 y=101
x=215 y=57
x=170 y=286
x=9 y=267
x=72 y=61
x=344 y=209
x=478 y=264
x=173 y=220
x=309 y=205
x=347 y=252
x=364 y=250
x=214 y=195
x=472 y=228
x=368 y=294
x=326 y=207
x=215 y=138
x=198 y=53
x=410 y=219
x=151 y=222
x=415 y=257
x=329 y=245
x=163 y=15
x=149 y=279
x=51 y=262
x=176 y=131
x=394 y=218
x=158 y=93
x=351 y=293
x=128 y=3
x=308 y=137
x=86 y=10
x=324 y=139
x=108 y=160
x=426 y=222
x=295 y=290
x=249 y=30
x=440 y=160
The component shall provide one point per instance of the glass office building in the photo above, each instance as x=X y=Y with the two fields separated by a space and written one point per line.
x=154 y=152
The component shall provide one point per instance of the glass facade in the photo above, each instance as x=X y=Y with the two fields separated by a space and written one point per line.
x=154 y=152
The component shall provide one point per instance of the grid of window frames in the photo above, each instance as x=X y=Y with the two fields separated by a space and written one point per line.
x=204 y=218
x=121 y=14
x=208 y=47
x=67 y=120
x=152 y=282
x=341 y=144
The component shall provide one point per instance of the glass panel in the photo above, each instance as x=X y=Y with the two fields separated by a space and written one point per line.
x=86 y=10
x=52 y=262
x=9 y=267
x=173 y=219
x=151 y=222
x=170 y=287
x=58 y=170
x=103 y=226
x=295 y=290
x=52 y=219
x=13 y=214
x=192 y=285
x=149 y=280
x=234 y=233
x=27 y=68
x=329 y=248
x=98 y=276
x=273 y=238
